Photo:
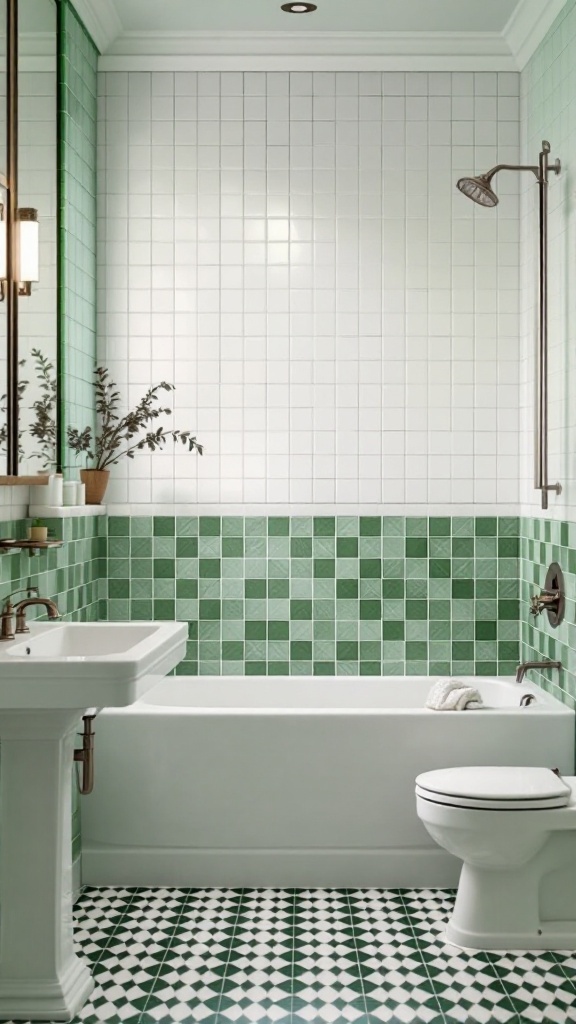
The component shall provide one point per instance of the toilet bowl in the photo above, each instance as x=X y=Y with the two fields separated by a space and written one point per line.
x=515 y=831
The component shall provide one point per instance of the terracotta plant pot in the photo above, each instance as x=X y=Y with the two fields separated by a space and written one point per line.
x=96 y=481
x=39 y=533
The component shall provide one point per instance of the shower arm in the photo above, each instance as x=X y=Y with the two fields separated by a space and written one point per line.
x=513 y=167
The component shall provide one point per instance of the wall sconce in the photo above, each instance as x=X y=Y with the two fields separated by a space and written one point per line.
x=28 y=250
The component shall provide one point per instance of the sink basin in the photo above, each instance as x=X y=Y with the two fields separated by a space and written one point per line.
x=80 y=665
x=48 y=677
x=72 y=640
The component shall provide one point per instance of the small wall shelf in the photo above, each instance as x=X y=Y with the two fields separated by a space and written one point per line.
x=24 y=481
x=33 y=547
x=65 y=511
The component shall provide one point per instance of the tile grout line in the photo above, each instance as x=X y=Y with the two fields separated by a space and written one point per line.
x=166 y=953
x=229 y=957
x=293 y=941
x=570 y=978
x=509 y=996
x=113 y=934
x=356 y=950
x=419 y=951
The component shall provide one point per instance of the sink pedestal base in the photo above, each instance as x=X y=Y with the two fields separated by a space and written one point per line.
x=41 y=978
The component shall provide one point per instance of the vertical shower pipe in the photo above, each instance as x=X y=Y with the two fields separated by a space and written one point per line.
x=541 y=419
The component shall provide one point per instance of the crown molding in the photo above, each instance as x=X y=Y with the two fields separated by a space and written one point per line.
x=279 y=51
x=397 y=51
x=101 y=19
x=528 y=26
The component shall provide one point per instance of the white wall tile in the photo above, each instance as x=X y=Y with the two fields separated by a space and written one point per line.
x=291 y=252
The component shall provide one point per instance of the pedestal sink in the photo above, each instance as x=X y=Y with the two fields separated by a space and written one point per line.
x=47 y=681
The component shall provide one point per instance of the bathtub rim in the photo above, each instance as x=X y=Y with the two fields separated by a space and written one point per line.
x=546 y=704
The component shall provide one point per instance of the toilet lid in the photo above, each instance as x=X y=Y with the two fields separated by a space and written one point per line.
x=495 y=788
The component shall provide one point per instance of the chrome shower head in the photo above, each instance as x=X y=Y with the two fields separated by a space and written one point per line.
x=479 y=189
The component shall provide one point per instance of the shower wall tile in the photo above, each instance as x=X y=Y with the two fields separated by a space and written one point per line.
x=542 y=542
x=549 y=112
x=290 y=251
x=324 y=595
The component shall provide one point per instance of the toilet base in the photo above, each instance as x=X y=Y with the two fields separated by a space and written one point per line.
x=553 y=935
x=517 y=907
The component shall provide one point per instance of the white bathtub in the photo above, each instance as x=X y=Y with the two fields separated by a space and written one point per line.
x=293 y=782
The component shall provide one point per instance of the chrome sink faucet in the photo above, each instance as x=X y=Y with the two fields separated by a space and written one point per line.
x=9 y=611
x=525 y=665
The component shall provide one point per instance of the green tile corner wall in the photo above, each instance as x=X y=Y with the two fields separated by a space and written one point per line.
x=324 y=595
x=77 y=141
x=71 y=574
x=544 y=541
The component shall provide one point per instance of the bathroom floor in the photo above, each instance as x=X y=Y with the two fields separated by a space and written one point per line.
x=334 y=956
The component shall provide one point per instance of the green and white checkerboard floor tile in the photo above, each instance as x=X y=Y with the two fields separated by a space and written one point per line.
x=334 y=956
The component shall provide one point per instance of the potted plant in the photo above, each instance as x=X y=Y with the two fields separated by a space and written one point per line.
x=38 y=531
x=114 y=437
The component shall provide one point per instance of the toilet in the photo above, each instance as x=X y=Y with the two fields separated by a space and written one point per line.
x=515 y=831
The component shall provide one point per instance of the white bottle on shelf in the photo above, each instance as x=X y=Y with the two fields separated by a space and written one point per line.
x=54 y=490
x=69 y=489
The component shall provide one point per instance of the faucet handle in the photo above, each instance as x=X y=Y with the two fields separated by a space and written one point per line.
x=546 y=600
x=7 y=614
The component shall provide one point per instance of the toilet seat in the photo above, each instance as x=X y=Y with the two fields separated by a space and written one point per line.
x=495 y=788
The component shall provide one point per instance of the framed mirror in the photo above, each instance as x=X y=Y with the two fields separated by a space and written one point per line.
x=28 y=239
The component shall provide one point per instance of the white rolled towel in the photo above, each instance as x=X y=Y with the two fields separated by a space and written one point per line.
x=453 y=695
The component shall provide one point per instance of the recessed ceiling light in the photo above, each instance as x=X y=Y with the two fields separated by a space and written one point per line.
x=299 y=8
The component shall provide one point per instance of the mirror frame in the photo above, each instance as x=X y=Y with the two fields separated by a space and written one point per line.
x=12 y=410
x=10 y=183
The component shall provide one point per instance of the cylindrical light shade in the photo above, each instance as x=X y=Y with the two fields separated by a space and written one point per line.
x=28 y=246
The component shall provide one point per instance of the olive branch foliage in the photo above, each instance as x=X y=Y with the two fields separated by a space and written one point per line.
x=43 y=428
x=115 y=436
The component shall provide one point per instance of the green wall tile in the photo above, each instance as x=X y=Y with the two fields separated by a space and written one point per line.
x=326 y=595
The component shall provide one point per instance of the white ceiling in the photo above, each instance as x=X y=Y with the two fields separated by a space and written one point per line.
x=395 y=34
x=331 y=16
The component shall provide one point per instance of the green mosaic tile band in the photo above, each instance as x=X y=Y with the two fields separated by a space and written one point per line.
x=70 y=574
x=544 y=541
x=77 y=114
x=324 y=595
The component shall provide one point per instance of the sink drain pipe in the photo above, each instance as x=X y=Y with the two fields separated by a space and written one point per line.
x=85 y=754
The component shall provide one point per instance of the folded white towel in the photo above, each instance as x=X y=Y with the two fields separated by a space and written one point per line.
x=453 y=695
